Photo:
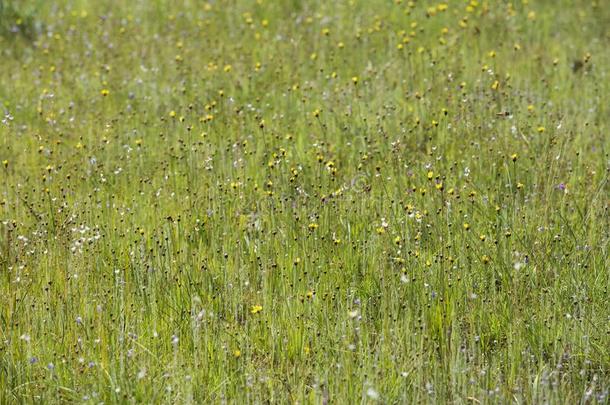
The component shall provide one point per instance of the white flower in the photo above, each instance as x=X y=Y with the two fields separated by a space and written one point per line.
x=371 y=393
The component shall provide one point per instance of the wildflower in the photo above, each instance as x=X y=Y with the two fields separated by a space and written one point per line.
x=104 y=92
x=236 y=353
x=541 y=129
x=355 y=80
x=255 y=309
x=371 y=393
x=466 y=226
x=514 y=157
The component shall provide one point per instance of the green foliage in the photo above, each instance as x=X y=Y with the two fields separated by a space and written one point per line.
x=18 y=18
x=304 y=201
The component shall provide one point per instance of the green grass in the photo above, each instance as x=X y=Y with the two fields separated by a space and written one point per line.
x=304 y=202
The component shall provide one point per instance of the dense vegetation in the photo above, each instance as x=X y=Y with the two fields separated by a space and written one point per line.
x=304 y=201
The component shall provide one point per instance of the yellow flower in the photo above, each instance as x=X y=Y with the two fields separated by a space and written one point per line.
x=105 y=92
x=255 y=309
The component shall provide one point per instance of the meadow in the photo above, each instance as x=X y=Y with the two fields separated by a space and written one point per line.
x=325 y=202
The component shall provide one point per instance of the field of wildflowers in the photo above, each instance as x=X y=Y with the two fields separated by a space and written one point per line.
x=284 y=201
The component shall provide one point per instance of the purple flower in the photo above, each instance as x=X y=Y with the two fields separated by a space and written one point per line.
x=561 y=187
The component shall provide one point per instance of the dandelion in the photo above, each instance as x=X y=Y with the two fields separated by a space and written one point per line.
x=255 y=309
